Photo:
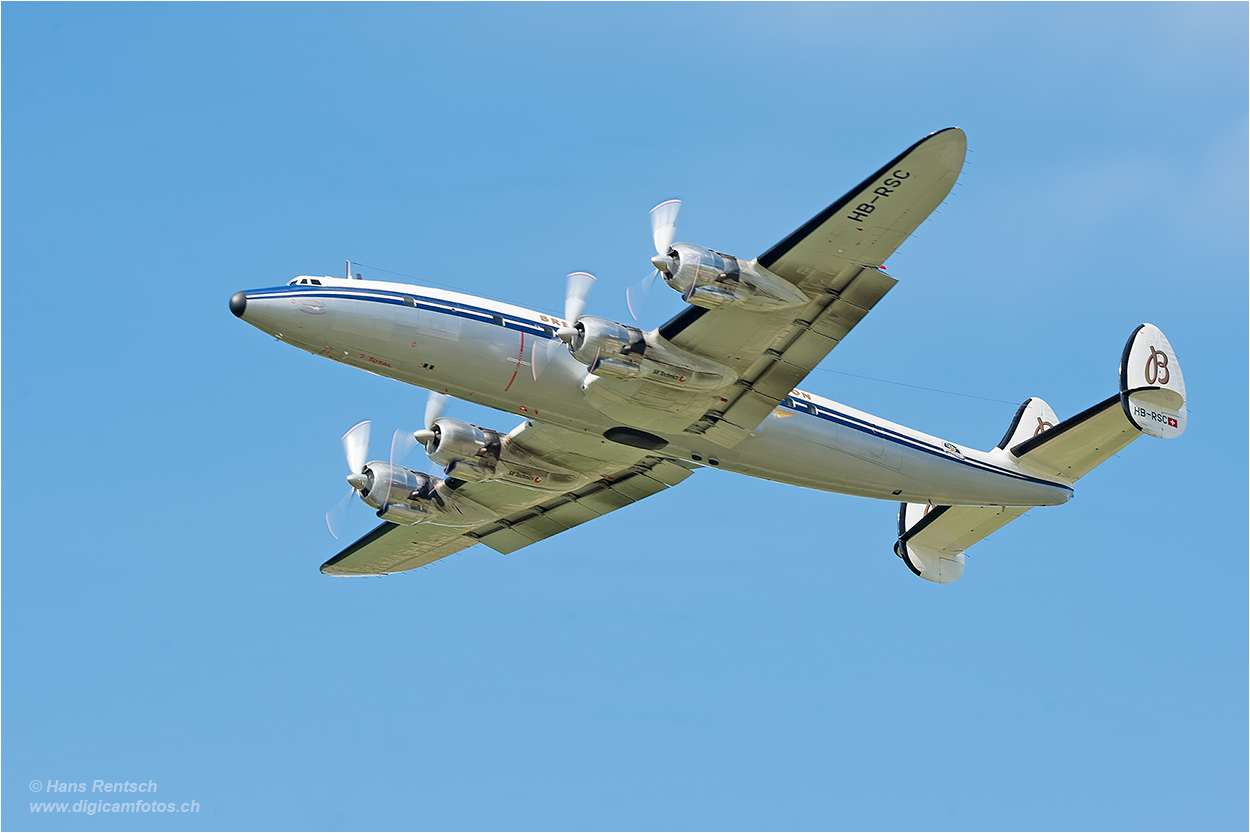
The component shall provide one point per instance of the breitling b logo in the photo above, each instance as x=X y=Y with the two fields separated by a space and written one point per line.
x=1157 y=368
x=1042 y=425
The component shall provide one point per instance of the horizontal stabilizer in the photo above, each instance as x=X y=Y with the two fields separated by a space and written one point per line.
x=932 y=539
x=1075 y=446
x=1151 y=401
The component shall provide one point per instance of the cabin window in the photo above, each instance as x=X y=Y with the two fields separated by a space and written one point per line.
x=548 y=332
x=410 y=301
x=498 y=321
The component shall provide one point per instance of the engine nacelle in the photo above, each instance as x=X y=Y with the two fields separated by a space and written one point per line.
x=457 y=441
x=403 y=496
x=617 y=351
x=386 y=484
x=470 y=452
x=710 y=279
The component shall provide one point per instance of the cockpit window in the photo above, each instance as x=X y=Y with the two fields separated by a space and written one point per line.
x=314 y=282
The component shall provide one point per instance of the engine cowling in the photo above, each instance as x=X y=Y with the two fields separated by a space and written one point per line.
x=608 y=347
x=403 y=496
x=618 y=351
x=457 y=441
x=707 y=278
x=389 y=490
x=471 y=452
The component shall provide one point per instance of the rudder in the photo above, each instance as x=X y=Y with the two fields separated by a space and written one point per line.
x=1152 y=387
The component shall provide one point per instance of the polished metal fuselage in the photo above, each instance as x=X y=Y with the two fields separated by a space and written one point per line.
x=486 y=352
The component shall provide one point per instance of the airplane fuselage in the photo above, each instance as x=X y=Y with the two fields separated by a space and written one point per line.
x=508 y=358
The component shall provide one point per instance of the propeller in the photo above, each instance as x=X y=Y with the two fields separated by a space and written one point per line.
x=356 y=449
x=576 y=293
x=663 y=230
x=356 y=446
x=541 y=354
x=433 y=410
x=664 y=226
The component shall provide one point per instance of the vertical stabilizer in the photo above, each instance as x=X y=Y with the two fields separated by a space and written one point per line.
x=1033 y=417
x=1152 y=387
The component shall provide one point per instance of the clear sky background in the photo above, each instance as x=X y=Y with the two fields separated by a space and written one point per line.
x=734 y=654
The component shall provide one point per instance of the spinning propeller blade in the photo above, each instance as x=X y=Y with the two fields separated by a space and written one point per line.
x=664 y=225
x=636 y=295
x=541 y=354
x=402 y=444
x=578 y=289
x=663 y=230
x=336 y=516
x=433 y=410
x=434 y=407
x=356 y=449
x=356 y=446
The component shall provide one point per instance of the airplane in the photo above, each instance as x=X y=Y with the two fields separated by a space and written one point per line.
x=612 y=414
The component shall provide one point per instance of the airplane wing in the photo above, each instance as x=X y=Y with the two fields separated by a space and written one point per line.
x=619 y=475
x=835 y=258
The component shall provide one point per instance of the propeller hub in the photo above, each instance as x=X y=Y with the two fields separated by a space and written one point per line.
x=567 y=334
x=664 y=263
x=358 y=481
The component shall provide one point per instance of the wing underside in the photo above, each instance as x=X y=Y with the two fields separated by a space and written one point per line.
x=618 y=476
x=835 y=259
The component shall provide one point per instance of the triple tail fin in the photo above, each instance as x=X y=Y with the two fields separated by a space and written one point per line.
x=1033 y=417
x=932 y=539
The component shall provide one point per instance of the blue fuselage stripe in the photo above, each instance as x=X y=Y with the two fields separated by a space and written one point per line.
x=382 y=296
x=887 y=435
x=514 y=322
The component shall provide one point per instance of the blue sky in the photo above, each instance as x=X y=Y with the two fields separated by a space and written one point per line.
x=738 y=654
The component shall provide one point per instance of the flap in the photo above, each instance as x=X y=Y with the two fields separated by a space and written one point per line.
x=523 y=528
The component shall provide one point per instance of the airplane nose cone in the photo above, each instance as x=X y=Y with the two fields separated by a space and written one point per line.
x=238 y=303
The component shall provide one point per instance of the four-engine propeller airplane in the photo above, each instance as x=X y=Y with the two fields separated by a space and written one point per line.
x=614 y=414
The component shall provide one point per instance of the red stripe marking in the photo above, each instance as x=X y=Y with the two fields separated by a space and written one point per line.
x=519 y=355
